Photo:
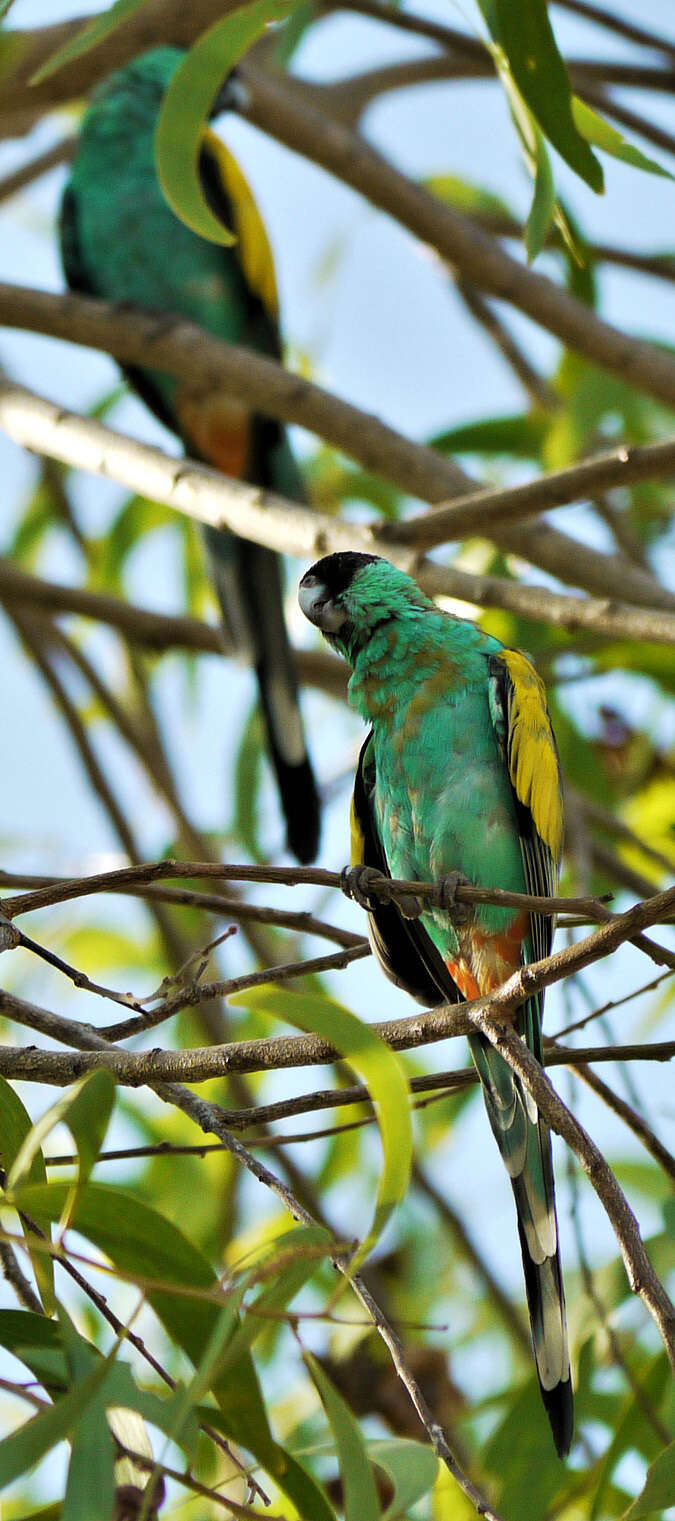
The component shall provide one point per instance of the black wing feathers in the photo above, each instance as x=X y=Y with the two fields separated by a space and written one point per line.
x=403 y=948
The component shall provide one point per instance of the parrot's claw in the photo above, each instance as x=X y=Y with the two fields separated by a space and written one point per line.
x=357 y=882
x=445 y=897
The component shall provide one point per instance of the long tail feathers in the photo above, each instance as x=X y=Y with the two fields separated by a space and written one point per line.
x=525 y=1145
x=248 y=582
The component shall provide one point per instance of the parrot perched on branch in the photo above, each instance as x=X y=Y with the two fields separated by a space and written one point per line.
x=120 y=240
x=458 y=778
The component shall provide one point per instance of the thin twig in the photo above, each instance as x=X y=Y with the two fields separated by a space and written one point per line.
x=17 y=1280
x=603 y=1315
x=199 y=992
x=65 y=889
x=613 y=1003
x=478 y=513
x=19 y=179
x=630 y=1117
x=641 y=1275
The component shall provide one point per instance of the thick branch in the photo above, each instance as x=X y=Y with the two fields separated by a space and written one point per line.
x=200 y=493
x=182 y=349
x=480 y=513
x=171 y=20
x=272 y=107
x=152 y=630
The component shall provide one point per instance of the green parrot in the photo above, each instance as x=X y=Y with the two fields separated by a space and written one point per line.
x=121 y=241
x=458 y=777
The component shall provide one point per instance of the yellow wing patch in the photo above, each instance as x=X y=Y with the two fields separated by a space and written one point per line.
x=254 y=246
x=532 y=758
x=357 y=839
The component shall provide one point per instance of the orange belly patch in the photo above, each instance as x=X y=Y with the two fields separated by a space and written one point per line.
x=218 y=428
x=489 y=958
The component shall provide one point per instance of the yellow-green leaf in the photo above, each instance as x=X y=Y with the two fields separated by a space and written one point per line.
x=15 y=1126
x=358 y=1485
x=659 y=1487
x=187 y=104
x=85 y=1108
x=599 y=132
x=376 y=1066
x=87 y=37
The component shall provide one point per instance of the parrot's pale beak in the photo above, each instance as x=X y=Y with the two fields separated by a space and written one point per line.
x=317 y=605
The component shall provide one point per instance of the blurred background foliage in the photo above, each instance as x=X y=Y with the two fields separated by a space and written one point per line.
x=118 y=752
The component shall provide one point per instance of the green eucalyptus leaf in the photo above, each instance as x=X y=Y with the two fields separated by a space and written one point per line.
x=187 y=104
x=525 y=33
x=87 y=37
x=374 y=1063
x=543 y=206
x=599 y=132
x=521 y=436
x=360 y=1497
x=141 y=1242
x=15 y=1128
x=658 y=1489
x=22 y=1449
x=411 y=1468
x=85 y=1108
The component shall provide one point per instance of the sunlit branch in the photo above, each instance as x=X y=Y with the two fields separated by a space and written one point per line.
x=19 y=179
x=182 y=349
x=630 y=1117
x=479 y=513
x=641 y=1275
x=272 y=107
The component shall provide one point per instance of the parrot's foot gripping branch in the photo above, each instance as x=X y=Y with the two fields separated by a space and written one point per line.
x=444 y=896
x=362 y=883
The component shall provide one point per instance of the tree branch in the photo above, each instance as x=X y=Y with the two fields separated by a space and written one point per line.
x=630 y=1117
x=185 y=350
x=60 y=153
x=205 y=495
x=155 y=631
x=272 y=107
x=479 y=513
x=641 y=1276
x=23 y=102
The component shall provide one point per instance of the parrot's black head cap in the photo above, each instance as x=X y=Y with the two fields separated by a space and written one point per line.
x=323 y=587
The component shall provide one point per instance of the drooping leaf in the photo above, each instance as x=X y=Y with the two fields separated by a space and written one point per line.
x=411 y=1469
x=137 y=517
x=36 y=1341
x=521 y=435
x=85 y=1108
x=658 y=1489
x=15 y=1126
x=90 y=1485
x=542 y=210
x=599 y=132
x=524 y=31
x=358 y=1485
x=87 y=37
x=632 y=1431
x=375 y=1065
x=247 y=780
x=22 y=1449
x=188 y=102
x=142 y=1243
